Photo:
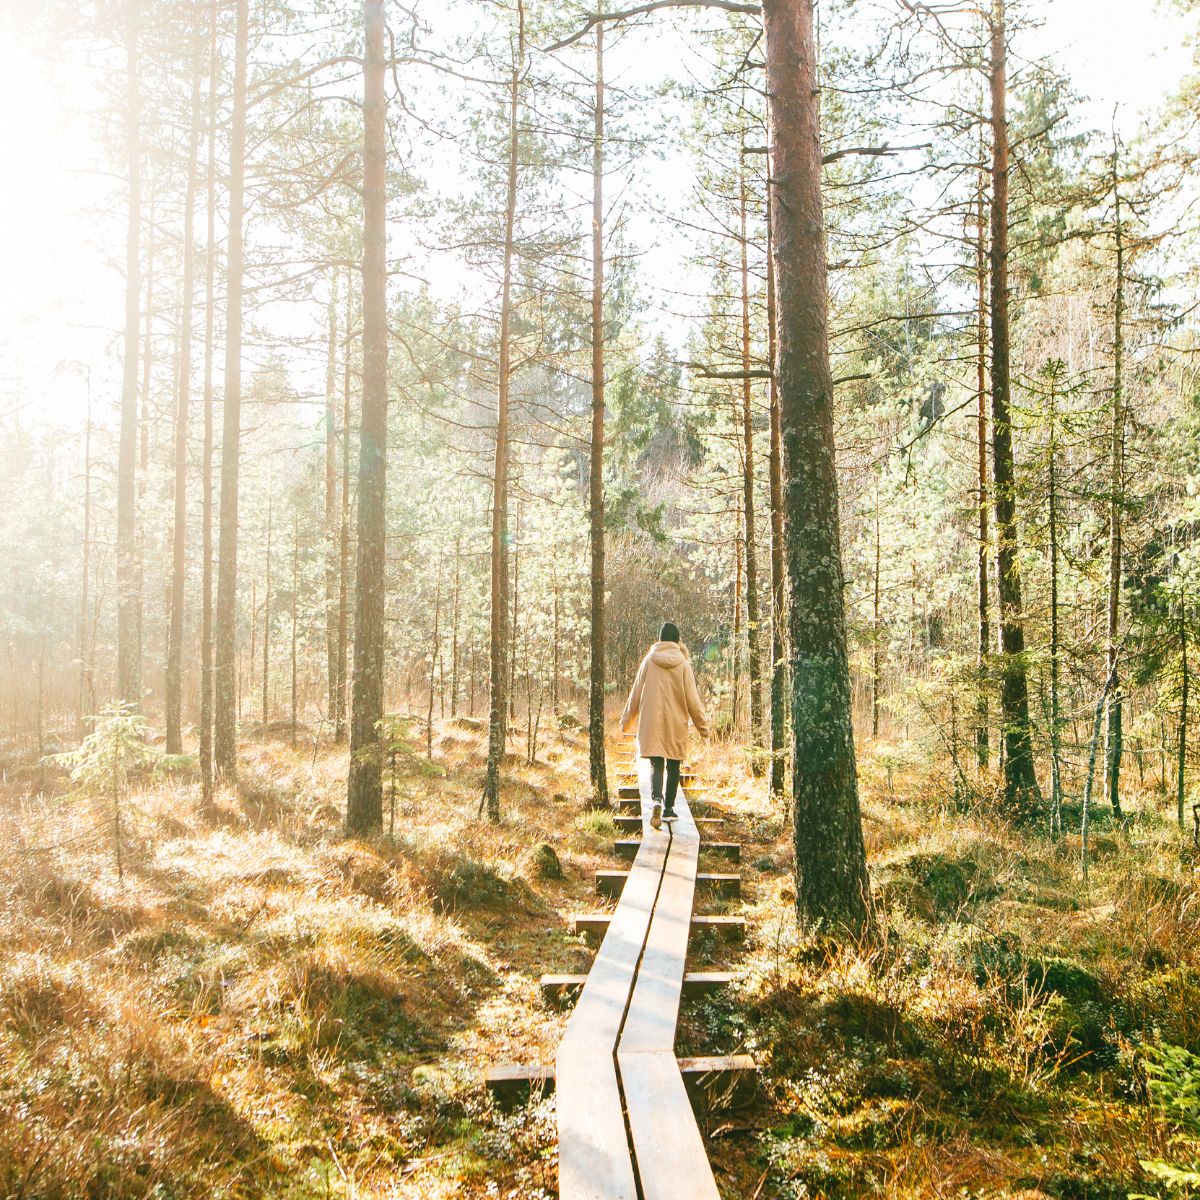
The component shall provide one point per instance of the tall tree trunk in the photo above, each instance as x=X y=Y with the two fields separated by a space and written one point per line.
x=876 y=631
x=173 y=684
x=343 y=634
x=1184 y=686
x=779 y=749
x=1115 y=502
x=982 y=549
x=498 y=720
x=599 y=770
x=85 y=656
x=206 y=565
x=754 y=656
x=129 y=683
x=832 y=888
x=1020 y=781
x=295 y=599
x=454 y=628
x=330 y=509
x=364 y=801
x=514 y=610
x=144 y=423
x=434 y=654
x=1055 y=652
x=736 y=646
x=225 y=683
x=266 y=605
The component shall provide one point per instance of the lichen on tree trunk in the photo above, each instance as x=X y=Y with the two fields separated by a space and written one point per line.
x=1020 y=781
x=832 y=887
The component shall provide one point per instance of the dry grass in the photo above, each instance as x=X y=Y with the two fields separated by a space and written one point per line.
x=264 y=1009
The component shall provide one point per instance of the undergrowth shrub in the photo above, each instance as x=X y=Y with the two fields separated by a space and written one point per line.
x=1173 y=1077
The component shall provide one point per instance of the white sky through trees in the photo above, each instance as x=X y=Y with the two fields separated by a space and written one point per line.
x=62 y=197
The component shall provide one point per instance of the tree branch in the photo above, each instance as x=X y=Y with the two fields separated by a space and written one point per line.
x=703 y=371
x=639 y=10
x=872 y=151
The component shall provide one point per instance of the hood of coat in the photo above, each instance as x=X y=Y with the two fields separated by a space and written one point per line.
x=668 y=654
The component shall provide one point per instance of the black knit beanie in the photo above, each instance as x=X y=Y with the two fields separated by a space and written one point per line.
x=668 y=633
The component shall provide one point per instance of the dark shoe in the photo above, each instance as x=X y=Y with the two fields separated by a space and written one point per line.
x=670 y=815
x=656 y=816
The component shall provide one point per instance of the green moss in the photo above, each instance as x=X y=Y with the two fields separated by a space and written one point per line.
x=545 y=862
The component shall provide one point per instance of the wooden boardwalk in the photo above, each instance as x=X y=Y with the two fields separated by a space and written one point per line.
x=626 y=1128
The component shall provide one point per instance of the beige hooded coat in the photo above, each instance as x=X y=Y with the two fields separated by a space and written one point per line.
x=664 y=696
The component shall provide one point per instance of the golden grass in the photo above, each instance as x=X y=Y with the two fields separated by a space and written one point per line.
x=262 y=1008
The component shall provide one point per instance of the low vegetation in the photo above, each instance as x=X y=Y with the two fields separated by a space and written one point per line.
x=263 y=1008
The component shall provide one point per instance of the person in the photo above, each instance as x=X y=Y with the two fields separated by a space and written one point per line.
x=664 y=696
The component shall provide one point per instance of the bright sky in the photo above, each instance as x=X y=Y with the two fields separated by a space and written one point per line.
x=1127 y=52
x=62 y=247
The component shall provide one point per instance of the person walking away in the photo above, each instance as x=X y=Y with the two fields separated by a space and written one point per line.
x=663 y=698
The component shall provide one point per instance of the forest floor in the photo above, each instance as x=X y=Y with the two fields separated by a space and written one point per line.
x=263 y=1009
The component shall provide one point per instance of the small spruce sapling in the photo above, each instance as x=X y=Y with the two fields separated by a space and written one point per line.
x=104 y=760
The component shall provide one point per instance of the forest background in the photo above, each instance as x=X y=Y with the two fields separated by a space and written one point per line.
x=202 y=260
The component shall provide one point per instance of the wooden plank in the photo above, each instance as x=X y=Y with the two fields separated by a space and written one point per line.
x=629 y=792
x=632 y=822
x=719 y=1081
x=627 y=848
x=710 y=1080
x=630 y=807
x=511 y=1085
x=695 y=983
x=670 y=1153
x=729 y=928
x=594 y=1155
x=612 y=883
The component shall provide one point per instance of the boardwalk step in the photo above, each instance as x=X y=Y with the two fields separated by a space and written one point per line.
x=695 y=983
x=629 y=792
x=729 y=928
x=629 y=806
x=633 y=824
x=612 y=883
x=712 y=1081
x=627 y=848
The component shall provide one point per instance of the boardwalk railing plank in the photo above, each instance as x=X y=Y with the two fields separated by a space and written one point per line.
x=669 y=1151
x=593 y=1159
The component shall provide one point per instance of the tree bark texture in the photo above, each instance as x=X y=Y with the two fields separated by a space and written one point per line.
x=330 y=511
x=599 y=771
x=129 y=684
x=983 y=547
x=498 y=719
x=364 y=801
x=206 y=549
x=1020 y=781
x=753 y=654
x=779 y=747
x=225 y=684
x=832 y=887
x=174 y=670
x=1116 y=501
